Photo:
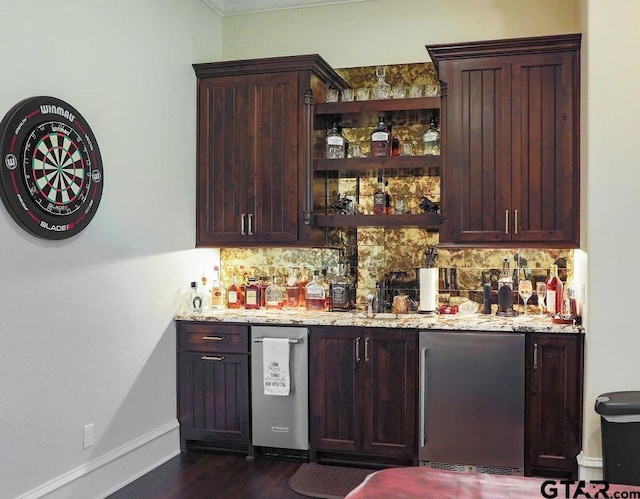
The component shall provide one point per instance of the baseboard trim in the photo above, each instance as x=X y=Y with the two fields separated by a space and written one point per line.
x=589 y=468
x=163 y=441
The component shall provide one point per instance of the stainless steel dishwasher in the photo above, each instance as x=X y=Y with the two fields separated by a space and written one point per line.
x=472 y=401
x=280 y=421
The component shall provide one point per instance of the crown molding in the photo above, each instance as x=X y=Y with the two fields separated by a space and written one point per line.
x=237 y=7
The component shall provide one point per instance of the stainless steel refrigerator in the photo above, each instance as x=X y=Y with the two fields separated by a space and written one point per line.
x=281 y=421
x=472 y=401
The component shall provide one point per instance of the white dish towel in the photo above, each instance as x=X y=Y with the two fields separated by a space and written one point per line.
x=275 y=366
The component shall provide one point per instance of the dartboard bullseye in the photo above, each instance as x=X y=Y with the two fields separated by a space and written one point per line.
x=51 y=178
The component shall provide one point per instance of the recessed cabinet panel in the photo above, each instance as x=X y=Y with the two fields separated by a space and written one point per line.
x=511 y=161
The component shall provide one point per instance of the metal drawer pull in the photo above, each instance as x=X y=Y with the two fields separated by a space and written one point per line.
x=506 y=221
x=291 y=340
x=358 y=349
x=208 y=357
x=250 y=227
x=366 y=349
x=535 y=356
x=242 y=224
x=214 y=338
x=515 y=223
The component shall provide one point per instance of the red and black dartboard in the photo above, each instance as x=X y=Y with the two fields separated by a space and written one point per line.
x=51 y=179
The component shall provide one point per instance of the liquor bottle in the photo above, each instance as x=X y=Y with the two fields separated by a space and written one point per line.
x=292 y=290
x=554 y=292
x=387 y=198
x=381 y=89
x=379 y=199
x=325 y=282
x=303 y=280
x=217 y=290
x=315 y=295
x=381 y=139
x=205 y=293
x=234 y=294
x=431 y=138
x=274 y=296
x=342 y=292
x=252 y=293
x=195 y=299
x=334 y=143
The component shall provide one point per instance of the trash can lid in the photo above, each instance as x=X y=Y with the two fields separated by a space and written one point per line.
x=618 y=403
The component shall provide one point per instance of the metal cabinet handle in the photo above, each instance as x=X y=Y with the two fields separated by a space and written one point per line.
x=209 y=357
x=250 y=228
x=506 y=221
x=535 y=356
x=358 y=349
x=214 y=338
x=366 y=349
x=515 y=222
x=242 y=224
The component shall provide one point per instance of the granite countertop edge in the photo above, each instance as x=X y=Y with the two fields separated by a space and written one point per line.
x=455 y=322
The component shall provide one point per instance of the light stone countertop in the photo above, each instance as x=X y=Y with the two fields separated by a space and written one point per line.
x=458 y=322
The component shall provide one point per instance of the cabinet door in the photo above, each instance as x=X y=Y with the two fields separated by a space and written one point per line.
x=273 y=207
x=545 y=137
x=389 y=401
x=336 y=389
x=553 y=421
x=214 y=397
x=224 y=171
x=476 y=178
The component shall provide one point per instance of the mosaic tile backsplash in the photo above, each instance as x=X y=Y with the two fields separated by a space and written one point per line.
x=376 y=253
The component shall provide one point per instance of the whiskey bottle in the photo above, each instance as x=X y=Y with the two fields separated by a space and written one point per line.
x=334 y=143
x=381 y=139
x=274 y=296
x=234 y=294
x=431 y=138
x=379 y=199
x=252 y=293
x=292 y=290
x=342 y=292
x=315 y=295
x=195 y=299
x=217 y=290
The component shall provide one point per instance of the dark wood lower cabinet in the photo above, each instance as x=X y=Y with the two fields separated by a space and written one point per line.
x=553 y=413
x=213 y=386
x=363 y=394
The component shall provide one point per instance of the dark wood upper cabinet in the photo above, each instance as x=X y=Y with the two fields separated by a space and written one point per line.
x=254 y=149
x=510 y=174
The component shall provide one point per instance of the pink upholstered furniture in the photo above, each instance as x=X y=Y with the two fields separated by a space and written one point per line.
x=425 y=483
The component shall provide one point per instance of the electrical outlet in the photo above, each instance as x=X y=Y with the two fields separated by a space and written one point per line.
x=88 y=435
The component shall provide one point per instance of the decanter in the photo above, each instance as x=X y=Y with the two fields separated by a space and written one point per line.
x=381 y=89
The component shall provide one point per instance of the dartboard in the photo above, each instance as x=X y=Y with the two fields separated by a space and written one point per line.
x=51 y=178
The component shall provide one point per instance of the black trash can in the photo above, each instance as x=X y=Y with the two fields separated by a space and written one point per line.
x=620 y=423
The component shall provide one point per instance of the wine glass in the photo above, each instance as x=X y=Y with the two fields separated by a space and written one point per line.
x=541 y=292
x=525 y=289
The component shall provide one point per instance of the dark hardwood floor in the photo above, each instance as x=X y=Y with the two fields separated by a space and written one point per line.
x=198 y=475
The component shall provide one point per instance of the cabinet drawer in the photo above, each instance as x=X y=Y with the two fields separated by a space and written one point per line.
x=214 y=338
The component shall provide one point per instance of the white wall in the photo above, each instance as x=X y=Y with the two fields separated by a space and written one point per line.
x=86 y=323
x=612 y=161
x=390 y=31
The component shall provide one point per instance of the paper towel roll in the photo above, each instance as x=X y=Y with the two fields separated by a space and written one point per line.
x=428 y=281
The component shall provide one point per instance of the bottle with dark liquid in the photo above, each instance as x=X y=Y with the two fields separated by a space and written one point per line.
x=379 y=199
x=381 y=140
x=342 y=292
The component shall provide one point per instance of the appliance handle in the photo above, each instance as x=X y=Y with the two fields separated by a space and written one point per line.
x=423 y=396
x=291 y=340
